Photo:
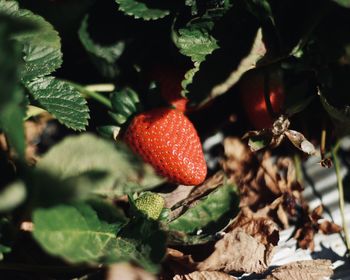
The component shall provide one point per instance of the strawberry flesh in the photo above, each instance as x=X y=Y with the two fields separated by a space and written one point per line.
x=166 y=139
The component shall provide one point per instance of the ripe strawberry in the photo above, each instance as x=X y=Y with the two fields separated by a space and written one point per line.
x=167 y=140
x=169 y=80
x=253 y=99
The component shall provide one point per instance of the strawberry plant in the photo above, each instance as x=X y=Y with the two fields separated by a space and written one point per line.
x=119 y=127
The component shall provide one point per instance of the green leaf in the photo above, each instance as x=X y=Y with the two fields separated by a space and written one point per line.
x=210 y=214
x=11 y=121
x=3 y=250
x=125 y=103
x=223 y=68
x=148 y=240
x=41 y=47
x=104 y=57
x=343 y=3
x=138 y=9
x=340 y=117
x=78 y=234
x=125 y=173
x=74 y=233
x=12 y=196
x=62 y=100
x=12 y=100
x=195 y=40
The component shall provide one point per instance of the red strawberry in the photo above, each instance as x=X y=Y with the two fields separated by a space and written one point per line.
x=253 y=98
x=169 y=80
x=167 y=140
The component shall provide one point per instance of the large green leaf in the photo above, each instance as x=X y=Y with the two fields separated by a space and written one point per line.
x=344 y=3
x=139 y=9
x=76 y=155
x=41 y=47
x=210 y=214
x=195 y=40
x=77 y=234
x=12 y=101
x=104 y=57
x=74 y=233
x=62 y=100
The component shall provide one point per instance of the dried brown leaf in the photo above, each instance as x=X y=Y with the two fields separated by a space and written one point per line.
x=180 y=193
x=258 y=225
x=306 y=270
x=327 y=227
x=309 y=225
x=305 y=237
x=204 y=275
x=316 y=214
x=126 y=271
x=299 y=141
x=237 y=251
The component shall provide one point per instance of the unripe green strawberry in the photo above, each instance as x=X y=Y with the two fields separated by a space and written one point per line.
x=166 y=139
x=151 y=204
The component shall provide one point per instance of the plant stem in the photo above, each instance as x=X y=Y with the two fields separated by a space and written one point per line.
x=341 y=197
x=323 y=142
x=93 y=94
x=100 y=87
x=298 y=169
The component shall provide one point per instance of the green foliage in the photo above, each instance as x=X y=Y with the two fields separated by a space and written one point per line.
x=125 y=103
x=123 y=172
x=41 y=47
x=209 y=215
x=195 y=40
x=12 y=101
x=74 y=233
x=104 y=57
x=77 y=234
x=344 y=3
x=139 y=10
x=340 y=117
x=62 y=100
x=76 y=193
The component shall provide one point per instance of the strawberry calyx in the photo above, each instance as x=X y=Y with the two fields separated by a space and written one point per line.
x=125 y=103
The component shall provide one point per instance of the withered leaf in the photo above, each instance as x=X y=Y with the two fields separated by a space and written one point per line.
x=306 y=270
x=309 y=225
x=299 y=141
x=258 y=225
x=237 y=251
x=327 y=227
x=204 y=275
x=179 y=263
